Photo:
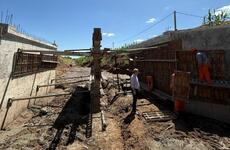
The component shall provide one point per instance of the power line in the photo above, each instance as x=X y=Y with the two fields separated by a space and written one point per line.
x=139 y=33
x=186 y=14
x=143 y=31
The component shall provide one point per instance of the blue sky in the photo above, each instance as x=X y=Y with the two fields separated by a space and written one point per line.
x=70 y=22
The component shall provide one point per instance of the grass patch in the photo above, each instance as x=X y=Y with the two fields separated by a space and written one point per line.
x=83 y=60
x=67 y=60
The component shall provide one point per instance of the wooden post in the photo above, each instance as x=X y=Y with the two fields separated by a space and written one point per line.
x=96 y=71
x=116 y=65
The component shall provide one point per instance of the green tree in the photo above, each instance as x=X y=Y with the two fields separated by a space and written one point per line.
x=215 y=18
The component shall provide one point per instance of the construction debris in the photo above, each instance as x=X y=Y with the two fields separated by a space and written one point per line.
x=103 y=122
x=159 y=116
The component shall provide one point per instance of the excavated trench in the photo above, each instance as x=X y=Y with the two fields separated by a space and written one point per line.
x=73 y=115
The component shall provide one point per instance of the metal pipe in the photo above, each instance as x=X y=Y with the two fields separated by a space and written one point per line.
x=33 y=97
x=69 y=78
x=9 y=79
x=103 y=122
x=31 y=92
x=157 y=60
x=147 y=48
x=71 y=53
x=5 y=91
x=39 y=86
x=87 y=49
x=11 y=100
x=4 y=119
x=126 y=92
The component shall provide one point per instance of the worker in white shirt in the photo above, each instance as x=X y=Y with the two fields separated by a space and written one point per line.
x=135 y=85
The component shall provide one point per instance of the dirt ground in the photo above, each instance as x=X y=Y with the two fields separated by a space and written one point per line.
x=62 y=124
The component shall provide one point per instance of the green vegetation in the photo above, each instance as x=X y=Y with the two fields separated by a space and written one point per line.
x=107 y=60
x=213 y=18
x=67 y=60
x=127 y=46
x=83 y=60
x=121 y=51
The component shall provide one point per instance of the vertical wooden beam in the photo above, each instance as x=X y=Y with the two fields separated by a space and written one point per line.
x=96 y=71
x=116 y=65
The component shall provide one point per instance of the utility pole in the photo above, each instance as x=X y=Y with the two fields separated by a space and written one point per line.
x=175 y=28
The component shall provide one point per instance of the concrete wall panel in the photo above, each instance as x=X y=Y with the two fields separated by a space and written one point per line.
x=215 y=111
x=22 y=86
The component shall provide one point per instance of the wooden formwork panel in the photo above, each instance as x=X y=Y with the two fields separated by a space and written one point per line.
x=187 y=62
x=182 y=85
x=160 y=53
x=210 y=94
x=160 y=71
x=217 y=62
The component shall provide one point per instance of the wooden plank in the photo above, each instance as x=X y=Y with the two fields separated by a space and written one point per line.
x=182 y=85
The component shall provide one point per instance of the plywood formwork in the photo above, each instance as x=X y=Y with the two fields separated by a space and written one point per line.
x=158 y=62
x=161 y=62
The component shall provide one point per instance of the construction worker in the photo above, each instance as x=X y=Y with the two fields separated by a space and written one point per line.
x=135 y=85
x=203 y=65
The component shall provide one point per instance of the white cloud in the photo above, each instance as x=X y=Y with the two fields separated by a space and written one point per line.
x=108 y=34
x=111 y=34
x=167 y=7
x=151 y=20
x=139 y=40
x=224 y=8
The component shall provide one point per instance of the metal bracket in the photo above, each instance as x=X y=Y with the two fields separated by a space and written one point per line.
x=9 y=103
x=37 y=89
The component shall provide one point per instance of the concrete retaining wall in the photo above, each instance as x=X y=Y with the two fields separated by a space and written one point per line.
x=10 y=42
x=212 y=38
x=210 y=110
x=202 y=38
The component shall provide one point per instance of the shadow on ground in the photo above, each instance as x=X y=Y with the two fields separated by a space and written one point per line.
x=187 y=122
x=73 y=114
x=129 y=118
